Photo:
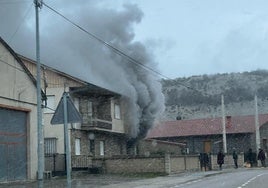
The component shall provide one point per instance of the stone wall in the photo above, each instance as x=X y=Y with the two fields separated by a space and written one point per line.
x=154 y=164
x=151 y=146
x=168 y=164
x=228 y=161
x=186 y=162
x=135 y=165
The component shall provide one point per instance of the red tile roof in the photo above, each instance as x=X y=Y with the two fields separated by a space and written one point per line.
x=209 y=126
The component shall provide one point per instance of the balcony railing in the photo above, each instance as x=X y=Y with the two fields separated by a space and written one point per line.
x=81 y=161
x=97 y=123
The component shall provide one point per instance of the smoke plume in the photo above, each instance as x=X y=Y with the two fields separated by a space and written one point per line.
x=68 y=49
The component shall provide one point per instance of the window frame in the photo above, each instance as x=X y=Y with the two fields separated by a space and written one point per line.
x=50 y=104
x=117 y=111
x=102 y=148
x=77 y=149
x=50 y=146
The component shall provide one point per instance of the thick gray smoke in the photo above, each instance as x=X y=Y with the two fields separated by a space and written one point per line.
x=66 y=48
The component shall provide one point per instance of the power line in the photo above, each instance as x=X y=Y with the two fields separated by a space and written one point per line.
x=117 y=50
x=12 y=66
x=23 y=20
x=16 y=100
x=22 y=70
x=13 y=2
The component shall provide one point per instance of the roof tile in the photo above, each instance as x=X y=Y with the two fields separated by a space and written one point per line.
x=209 y=126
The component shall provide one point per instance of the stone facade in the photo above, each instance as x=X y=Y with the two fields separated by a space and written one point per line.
x=150 y=147
x=196 y=144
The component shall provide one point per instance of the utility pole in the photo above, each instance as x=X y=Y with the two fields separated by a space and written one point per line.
x=38 y=4
x=257 y=124
x=223 y=125
x=67 y=141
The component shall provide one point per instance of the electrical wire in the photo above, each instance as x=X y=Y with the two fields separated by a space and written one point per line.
x=12 y=66
x=22 y=70
x=20 y=24
x=13 y=2
x=16 y=100
x=117 y=50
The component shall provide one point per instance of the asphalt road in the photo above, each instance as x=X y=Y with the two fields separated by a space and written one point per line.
x=227 y=178
x=253 y=178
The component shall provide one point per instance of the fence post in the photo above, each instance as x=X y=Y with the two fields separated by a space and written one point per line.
x=167 y=163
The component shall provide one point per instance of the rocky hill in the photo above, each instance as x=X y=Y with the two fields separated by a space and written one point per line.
x=200 y=96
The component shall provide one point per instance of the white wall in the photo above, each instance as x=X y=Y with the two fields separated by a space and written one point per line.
x=54 y=131
x=16 y=84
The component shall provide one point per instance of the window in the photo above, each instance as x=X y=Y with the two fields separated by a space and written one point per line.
x=50 y=105
x=91 y=146
x=76 y=104
x=101 y=148
x=50 y=146
x=89 y=108
x=77 y=146
x=117 y=112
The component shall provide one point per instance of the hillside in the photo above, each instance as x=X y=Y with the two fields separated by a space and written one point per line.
x=200 y=96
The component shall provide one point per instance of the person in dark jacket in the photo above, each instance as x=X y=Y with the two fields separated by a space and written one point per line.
x=262 y=157
x=250 y=157
x=235 y=158
x=220 y=159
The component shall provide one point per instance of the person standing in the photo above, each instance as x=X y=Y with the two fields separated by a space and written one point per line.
x=220 y=159
x=235 y=158
x=262 y=157
x=251 y=157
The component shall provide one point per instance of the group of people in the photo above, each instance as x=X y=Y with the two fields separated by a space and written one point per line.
x=249 y=158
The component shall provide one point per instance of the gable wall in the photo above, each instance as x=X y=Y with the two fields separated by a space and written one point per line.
x=18 y=92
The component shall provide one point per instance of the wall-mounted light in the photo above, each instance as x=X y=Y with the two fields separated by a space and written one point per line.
x=91 y=136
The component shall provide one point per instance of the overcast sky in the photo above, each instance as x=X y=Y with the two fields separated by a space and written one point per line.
x=183 y=37
x=206 y=37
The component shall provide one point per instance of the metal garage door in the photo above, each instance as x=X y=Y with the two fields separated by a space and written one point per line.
x=13 y=161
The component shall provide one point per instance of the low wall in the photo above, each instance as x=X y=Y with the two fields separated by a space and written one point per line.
x=164 y=164
x=168 y=164
x=154 y=164
x=184 y=162
x=135 y=164
x=228 y=161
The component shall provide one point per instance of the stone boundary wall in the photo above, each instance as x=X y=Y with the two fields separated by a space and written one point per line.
x=152 y=164
x=184 y=162
x=167 y=163
x=228 y=161
x=135 y=165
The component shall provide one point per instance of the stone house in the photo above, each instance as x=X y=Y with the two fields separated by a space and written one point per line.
x=149 y=147
x=205 y=135
x=101 y=135
x=102 y=132
x=18 y=118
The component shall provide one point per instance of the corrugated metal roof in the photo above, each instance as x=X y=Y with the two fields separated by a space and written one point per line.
x=208 y=126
